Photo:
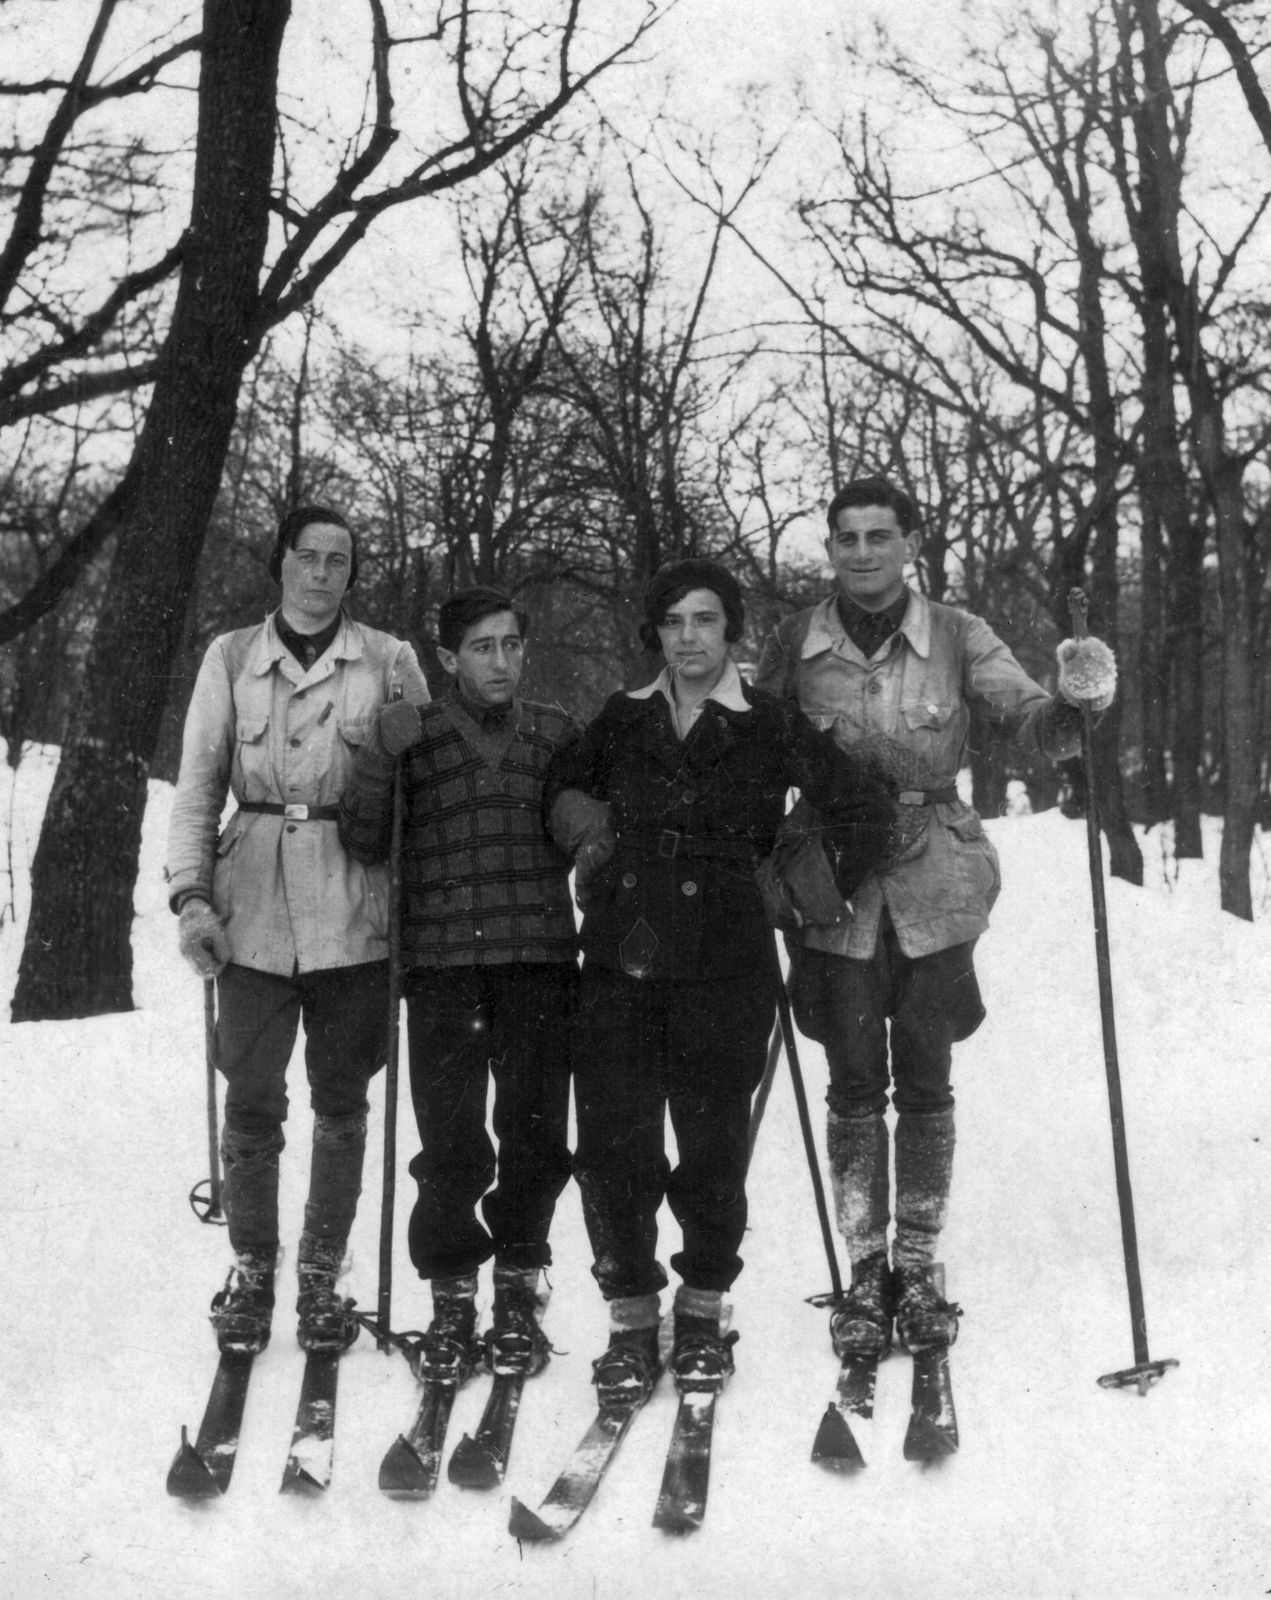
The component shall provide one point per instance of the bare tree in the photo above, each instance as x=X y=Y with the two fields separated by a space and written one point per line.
x=77 y=958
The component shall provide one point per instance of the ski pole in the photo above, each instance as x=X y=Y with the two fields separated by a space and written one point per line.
x=1145 y=1372
x=760 y=1104
x=805 y=1121
x=390 y=1066
x=207 y=1207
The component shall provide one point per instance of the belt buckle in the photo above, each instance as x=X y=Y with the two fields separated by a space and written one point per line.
x=670 y=837
x=296 y=813
x=912 y=797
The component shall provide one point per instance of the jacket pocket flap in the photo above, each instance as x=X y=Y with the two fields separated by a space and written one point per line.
x=355 y=730
x=927 y=713
x=967 y=826
x=250 y=729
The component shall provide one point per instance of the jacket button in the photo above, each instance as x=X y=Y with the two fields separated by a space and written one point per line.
x=295 y=744
x=628 y=880
x=875 y=687
x=291 y=827
x=689 y=888
x=689 y=796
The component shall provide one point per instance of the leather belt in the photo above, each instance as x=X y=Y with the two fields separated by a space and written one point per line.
x=293 y=813
x=668 y=844
x=929 y=797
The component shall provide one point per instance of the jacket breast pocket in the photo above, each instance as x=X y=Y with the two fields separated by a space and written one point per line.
x=930 y=732
x=354 y=731
x=251 y=757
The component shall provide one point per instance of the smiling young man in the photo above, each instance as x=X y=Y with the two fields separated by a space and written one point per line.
x=891 y=988
x=288 y=924
x=490 y=951
x=678 y=983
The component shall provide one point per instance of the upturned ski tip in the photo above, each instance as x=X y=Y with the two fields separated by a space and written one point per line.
x=295 y=1480
x=835 y=1446
x=189 y=1476
x=928 y=1443
x=472 y=1468
x=524 y=1524
x=404 y=1473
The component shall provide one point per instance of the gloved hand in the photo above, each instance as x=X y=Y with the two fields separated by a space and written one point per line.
x=201 y=934
x=1087 y=671
x=400 y=727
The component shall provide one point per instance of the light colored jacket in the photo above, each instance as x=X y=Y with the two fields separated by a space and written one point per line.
x=258 y=726
x=914 y=695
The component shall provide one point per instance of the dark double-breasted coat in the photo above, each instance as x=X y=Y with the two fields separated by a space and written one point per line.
x=679 y=984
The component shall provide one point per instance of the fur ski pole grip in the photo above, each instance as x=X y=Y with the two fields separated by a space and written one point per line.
x=1145 y=1371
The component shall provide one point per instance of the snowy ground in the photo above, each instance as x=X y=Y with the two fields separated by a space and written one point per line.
x=1061 y=1489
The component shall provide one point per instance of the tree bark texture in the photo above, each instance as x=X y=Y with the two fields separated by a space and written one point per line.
x=77 y=958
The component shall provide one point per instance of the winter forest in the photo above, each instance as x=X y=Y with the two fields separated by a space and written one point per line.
x=547 y=293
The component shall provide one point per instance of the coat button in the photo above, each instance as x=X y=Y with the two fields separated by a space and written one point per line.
x=689 y=796
x=295 y=744
x=628 y=880
x=689 y=888
x=291 y=827
x=875 y=687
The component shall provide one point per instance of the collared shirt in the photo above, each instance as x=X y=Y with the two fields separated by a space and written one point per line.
x=726 y=693
x=869 y=631
x=307 y=647
x=490 y=719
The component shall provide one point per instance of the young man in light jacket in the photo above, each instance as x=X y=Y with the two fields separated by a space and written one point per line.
x=894 y=676
x=285 y=920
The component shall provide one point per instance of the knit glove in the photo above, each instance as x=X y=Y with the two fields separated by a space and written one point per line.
x=1087 y=671
x=201 y=934
x=400 y=727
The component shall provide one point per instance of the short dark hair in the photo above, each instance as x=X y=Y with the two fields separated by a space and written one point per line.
x=875 y=491
x=295 y=523
x=671 y=583
x=469 y=606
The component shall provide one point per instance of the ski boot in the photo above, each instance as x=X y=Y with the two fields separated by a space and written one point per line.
x=626 y=1372
x=516 y=1342
x=924 y=1319
x=242 y=1311
x=702 y=1354
x=861 y=1324
x=328 y=1323
x=449 y=1352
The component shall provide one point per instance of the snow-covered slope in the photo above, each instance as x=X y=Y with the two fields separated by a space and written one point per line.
x=1060 y=1489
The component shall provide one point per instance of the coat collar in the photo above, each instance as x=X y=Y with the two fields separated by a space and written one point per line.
x=826 y=630
x=726 y=693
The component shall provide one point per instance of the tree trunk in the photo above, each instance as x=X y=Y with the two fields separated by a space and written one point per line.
x=1187 y=653
x=1240 y=723
x=77 y=960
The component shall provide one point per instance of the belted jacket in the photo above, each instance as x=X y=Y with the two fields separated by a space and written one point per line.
x=678 y=899
x=262 y=729
x=908 y=708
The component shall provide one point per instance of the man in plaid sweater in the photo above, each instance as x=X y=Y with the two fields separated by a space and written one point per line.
x=490 y=957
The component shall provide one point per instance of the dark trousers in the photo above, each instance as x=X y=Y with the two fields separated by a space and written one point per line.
x=642 y=1047
x=466 y=1025
x=345 y=1013
x=930 y=1002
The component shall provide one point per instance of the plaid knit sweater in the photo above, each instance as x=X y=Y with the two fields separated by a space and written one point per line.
x=482 y=883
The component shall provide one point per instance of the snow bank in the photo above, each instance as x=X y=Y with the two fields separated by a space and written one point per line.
x=1061 y=1489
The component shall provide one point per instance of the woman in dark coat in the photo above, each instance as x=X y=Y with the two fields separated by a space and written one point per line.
x=679 y=978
